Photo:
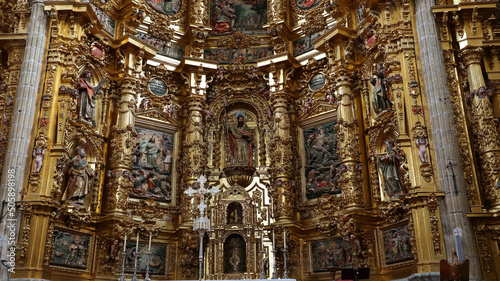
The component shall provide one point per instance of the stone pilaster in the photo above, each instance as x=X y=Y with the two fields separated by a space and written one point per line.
x=484 y=126
x=24 y=112
x=454 y=207
x=348 y=146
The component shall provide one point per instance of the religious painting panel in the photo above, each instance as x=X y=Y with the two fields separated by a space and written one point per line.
x=321 y=169
x=234 y=254
x=247 y=55
x=71 y=249
x=167 y=7
x=326 y=253
x=152 y=166
x=396 y=244
x=165 y=48
x=307 y=4
x=304 y=44
x=107 y=22
x=246 y=16
x=157 y=259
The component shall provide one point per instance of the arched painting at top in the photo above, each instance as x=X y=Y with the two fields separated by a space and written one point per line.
x=246 y=16
x=321 y=161
x=307 y=4
x=167 y=7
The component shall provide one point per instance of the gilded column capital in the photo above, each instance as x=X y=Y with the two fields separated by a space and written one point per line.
x=471 y=56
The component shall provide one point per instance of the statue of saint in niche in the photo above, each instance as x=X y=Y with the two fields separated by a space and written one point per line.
x=234 y=254
x=86 y=97
x=380 y=100
x=390 y=168
x=80 y=175
x=241 y=140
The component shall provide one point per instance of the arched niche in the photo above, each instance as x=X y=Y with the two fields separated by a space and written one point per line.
x=234 y=213
x=234 y=254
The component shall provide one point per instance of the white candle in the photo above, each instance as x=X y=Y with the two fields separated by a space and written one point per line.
x=262 y=241
x=125 y=243
x=274 y=242
x=284 y=238
x=137 y=243
x=149 y=247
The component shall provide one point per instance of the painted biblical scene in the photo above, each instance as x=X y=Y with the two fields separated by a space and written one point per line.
x=304 y=44
x=321 y=164
x=167 y=7
x=307 y=4
x=168 y=49
x=230 y=16
x=238 y=56
x=152 y=167
x=330 y=253
x=70 y=250
x=156 y=260
x=107 y=22
x=397 y=244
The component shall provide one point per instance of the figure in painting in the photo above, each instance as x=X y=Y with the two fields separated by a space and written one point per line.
x=225 y=18
x=391 y=173
x=240 y=142
x=86 y=97
x=380 y=100
x=80 y=175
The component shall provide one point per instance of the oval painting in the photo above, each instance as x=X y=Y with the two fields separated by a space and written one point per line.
x=317 y=82
x=167 y=7
x=157 y=87
x=307 y=4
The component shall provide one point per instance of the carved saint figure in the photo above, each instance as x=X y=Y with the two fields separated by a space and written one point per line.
x=380 y=100
x=86 y=97
x=80 y=174
x=389 y=165
x=240 y=142
x=38 y=153
x=151 y=151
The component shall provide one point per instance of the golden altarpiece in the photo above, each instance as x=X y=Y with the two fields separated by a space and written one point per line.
x=365 y=132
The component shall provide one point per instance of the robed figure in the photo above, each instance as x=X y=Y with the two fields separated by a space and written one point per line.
x=80 y=175
x=390 y=167
x=240 y=142
x=86 y=97
x=380 y=99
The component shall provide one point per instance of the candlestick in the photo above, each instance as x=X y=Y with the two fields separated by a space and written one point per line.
x=262 y=240
x=284 y=238
x=149 y=247
x=125 y=243
x=274 y=242
x=137 y=243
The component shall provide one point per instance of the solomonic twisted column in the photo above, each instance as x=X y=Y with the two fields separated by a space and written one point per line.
x=484 y=126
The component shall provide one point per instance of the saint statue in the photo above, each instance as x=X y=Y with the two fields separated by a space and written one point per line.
x=380 y=100
x=151 y=152
x=240 y=142
x=80 y=174
x=391 y=173
x=86 y=97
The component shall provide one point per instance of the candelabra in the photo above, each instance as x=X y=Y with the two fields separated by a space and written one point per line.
x=262 y=252
x=202 y=223
x=122 y=277
x=285 y=274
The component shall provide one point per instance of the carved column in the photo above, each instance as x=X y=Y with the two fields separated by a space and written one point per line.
x=455 y=206
x=348 y=147
x=24 y=111
x=484 y=126
x=281 y=155
x=122 y=143
x=194 y=147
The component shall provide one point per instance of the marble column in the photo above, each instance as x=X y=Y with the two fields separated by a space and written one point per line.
x=24 y=112
x=454 y=207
